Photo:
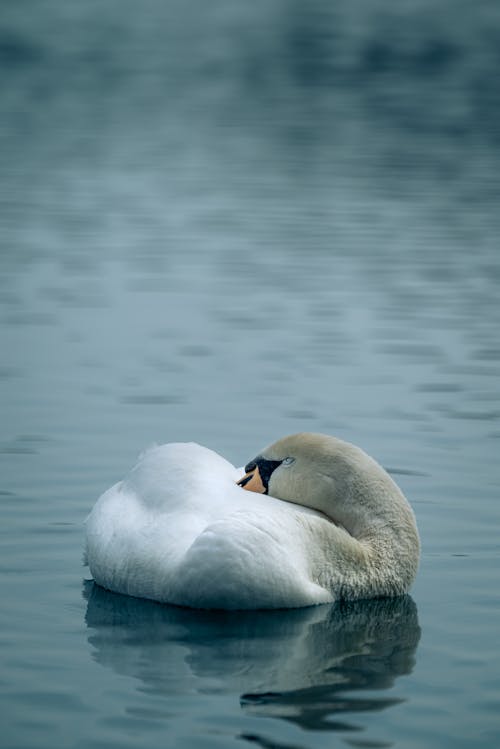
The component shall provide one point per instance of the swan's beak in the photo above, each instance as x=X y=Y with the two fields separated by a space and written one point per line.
x=252 y=482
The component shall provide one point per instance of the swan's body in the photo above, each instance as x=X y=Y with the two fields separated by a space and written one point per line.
x=178 y=529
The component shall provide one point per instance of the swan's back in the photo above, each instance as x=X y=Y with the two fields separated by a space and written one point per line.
x=177 y=529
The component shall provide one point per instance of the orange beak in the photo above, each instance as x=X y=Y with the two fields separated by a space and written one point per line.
x=252 y=482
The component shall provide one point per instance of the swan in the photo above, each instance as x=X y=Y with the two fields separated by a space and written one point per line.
x=311 y=519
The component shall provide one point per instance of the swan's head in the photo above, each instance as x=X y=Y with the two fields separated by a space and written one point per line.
x=333 y=477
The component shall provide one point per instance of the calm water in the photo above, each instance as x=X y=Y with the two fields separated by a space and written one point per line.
x=225 y=222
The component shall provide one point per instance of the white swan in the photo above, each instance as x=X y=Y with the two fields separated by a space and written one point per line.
x=322 y=521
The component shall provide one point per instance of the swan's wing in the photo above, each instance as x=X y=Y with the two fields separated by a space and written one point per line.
x=177 y=529
x=240 y=563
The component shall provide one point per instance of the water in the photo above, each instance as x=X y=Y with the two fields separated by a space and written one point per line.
x=227 y=222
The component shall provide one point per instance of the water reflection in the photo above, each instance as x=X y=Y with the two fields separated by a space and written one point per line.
x=308 y=666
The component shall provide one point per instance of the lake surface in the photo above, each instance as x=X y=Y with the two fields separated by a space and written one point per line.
x=225 y=222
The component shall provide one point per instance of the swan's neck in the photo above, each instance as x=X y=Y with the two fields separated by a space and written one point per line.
x=375 y=548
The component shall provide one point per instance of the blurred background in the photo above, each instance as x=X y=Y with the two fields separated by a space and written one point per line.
x=227 y=221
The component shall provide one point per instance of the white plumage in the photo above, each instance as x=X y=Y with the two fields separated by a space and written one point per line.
x=178 y=529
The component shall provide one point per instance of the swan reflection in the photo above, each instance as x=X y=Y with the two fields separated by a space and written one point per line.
x=308 y=665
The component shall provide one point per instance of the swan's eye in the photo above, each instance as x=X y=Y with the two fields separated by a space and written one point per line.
x=287 y=461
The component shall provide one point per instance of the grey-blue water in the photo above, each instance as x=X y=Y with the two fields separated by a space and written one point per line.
x=225 y=222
